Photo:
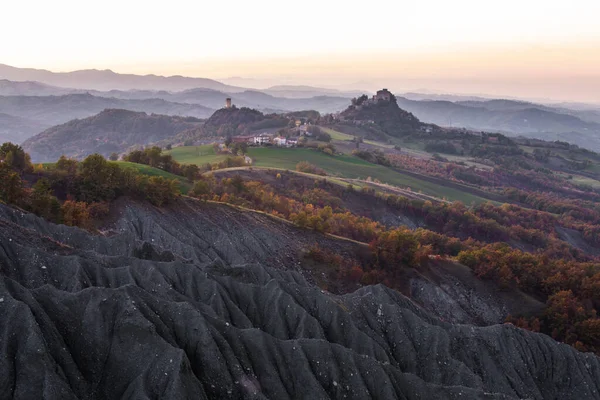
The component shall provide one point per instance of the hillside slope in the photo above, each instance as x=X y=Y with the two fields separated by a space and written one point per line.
x=387 y=116
x=109 y=131
x=204 y=301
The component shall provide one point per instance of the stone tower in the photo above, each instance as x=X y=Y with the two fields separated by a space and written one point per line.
x=228 y=102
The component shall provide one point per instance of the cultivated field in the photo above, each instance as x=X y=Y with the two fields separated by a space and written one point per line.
x=344 y=166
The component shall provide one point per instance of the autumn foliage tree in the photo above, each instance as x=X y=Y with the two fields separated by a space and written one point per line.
x=395 y=248
x=76 y=213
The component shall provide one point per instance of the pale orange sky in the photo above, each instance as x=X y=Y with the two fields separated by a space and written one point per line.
x=534 y=48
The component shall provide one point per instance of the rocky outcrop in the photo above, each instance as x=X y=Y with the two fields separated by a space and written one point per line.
x=206 y=301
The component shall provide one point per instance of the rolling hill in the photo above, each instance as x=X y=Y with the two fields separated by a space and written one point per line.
x=107 y=132
x=46 y=111
x=233 y=122
x=380 y=117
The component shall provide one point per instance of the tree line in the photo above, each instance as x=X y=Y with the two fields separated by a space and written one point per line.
x=72 y=192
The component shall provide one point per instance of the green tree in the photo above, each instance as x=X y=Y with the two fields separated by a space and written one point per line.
x=67 y=165
x=154 y=156
x=395 y=248
x=237 y=182
x=201 y=188
x=11 y=189
x=190 y=171
x=159 y=190
x=15 y=157
x=100 y=180
x=43 y=203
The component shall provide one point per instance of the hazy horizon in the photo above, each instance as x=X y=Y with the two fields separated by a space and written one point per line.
x=535 y=50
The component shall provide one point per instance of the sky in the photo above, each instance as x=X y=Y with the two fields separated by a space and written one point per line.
x=532 y=48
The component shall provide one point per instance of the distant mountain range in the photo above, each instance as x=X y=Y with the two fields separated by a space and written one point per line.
x=255 y=99
x=517 y=118
x=40 y=106
x=107 y=132
x=42 y=112
x=108 y=80
x=39 y=99
x=292 y=91
x=261 y=100
x=30 y=88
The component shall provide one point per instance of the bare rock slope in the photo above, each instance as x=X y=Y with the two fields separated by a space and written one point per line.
x=206 y=301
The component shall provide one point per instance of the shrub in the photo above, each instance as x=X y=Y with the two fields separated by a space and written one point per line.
x=328 y=149
x=375 y=157
x=305 y=166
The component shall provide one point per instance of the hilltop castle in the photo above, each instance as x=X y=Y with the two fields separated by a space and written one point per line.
x=383 y=94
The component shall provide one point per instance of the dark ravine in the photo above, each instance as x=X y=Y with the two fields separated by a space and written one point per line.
x=206 y=301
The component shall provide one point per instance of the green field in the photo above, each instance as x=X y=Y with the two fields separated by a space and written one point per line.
x=196 y=154
x=583 y=180
x=344 y=166
x=352 y=167
x=184 y=184
x=336 y=135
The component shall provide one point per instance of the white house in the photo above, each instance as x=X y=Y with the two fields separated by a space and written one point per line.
x=280 y=141
x=261 y=139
